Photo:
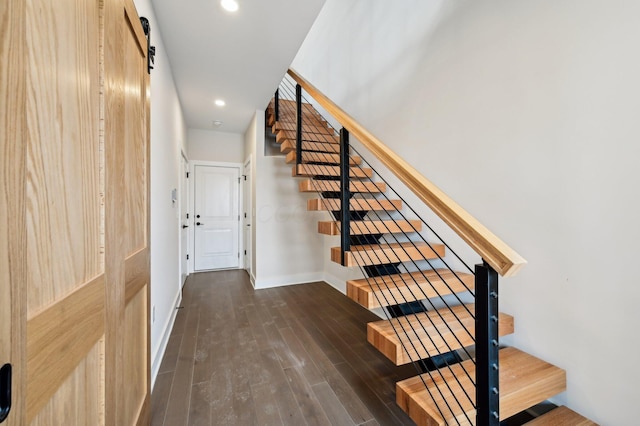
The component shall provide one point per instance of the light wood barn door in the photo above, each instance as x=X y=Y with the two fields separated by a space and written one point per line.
x=74 y=260
x=127 y=216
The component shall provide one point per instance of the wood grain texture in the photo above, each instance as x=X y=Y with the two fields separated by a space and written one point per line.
x=324 y=170
x=378 y=254
x=333 y=204
x=115 y=28
x=365 y=227
x=496 y=252
x=524 y=382
x=63 y=185
x=79 y=400
x=388 y=289
x=290 y=135
x=126 y=140
x=13 y=238
x=427 y=334
x=134 y=365
x=289 y=355
x=59 y=338
x=136 y=273
x=307 y=126
x=561 y=416
x=288 y=145
x=315 y=157
x=309 y=185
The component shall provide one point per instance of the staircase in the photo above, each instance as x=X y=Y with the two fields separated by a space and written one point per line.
x=409 y=270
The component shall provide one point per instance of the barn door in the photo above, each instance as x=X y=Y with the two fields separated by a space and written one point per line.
x=74 y=213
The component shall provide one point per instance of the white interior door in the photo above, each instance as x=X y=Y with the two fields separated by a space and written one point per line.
x=246 y=205
x=216 y=217
x=184 y=222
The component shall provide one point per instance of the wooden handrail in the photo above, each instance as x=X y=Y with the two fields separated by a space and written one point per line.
x=493 y=250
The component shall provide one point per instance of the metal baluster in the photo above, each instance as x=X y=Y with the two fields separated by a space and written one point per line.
x=487 y=366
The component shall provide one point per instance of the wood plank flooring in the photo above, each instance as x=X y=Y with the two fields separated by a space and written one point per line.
x=295 y=355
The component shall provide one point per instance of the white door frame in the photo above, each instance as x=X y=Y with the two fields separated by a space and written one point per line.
x=192 y=202
x=246 y=207
x=184 y=251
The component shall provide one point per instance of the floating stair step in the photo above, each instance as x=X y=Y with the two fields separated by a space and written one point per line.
x=310 y=126
x=315 y=157
x=524 y=381
x=291 y=122
x=410 y=286
x=289 y=115
x=321 y=170
x=288 y=146
x=284 y=135
x=427 y=334
x=368 y=227
x=310 y=185
x=355 y=204
x=561 y=416
x=380 y=254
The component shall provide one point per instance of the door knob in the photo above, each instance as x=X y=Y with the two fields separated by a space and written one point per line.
x=198 y=216
x=185 y=226
x=198 y=223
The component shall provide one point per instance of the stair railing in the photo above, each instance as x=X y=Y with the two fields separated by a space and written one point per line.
x=486 y=313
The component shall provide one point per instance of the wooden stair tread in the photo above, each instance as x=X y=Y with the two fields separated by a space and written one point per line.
x=561 y=416
x=283 y=135
x=426 y=334
x=409 y=286
x=524 y=381
x=313 y=126
x=311 y=170
x=288 y=146
x=310 y=185
x=355 y=204
x=317 y=157
x=367 y=227
x=379 y=254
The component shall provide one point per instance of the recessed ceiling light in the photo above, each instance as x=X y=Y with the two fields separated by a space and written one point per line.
x=229 y=5
x=220 y=102
x=217 y=123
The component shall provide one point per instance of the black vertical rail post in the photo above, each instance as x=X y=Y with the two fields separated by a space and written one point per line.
x=276 y=104
x=299 y=126
x=487 y=366
x=345 y=195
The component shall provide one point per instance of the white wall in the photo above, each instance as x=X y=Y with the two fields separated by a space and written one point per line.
x=526 y=113
x=210 y=145
x=168 y=138
x=288 y=249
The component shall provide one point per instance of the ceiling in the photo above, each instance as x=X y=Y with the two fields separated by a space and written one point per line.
x=238 y=57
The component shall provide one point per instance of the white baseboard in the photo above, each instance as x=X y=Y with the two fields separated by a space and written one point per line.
x=166 y=333
x=335 y=282
x=287 y=280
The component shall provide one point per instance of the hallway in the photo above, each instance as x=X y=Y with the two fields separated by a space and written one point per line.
x=285 y=356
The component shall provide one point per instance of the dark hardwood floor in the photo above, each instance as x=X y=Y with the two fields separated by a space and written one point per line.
x=293 y=355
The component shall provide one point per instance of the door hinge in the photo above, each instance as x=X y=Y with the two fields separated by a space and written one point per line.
x=187 y=257
x=238 y=218
x=245 y=252
x=245 y=215
x=238 y=255
x=187 y=215
x=245 y=177
x=187 y=175
x=238 y=180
